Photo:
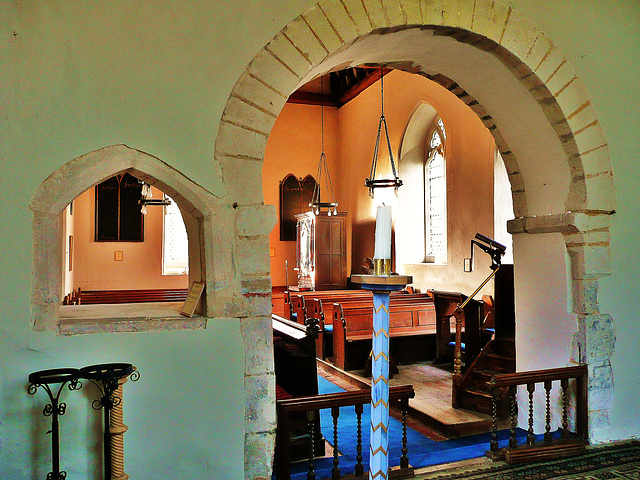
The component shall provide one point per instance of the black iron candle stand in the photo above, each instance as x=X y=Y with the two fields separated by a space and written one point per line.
x=108 y=377
x=45 y=378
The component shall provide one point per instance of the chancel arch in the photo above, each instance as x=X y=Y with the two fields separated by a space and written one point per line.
x=524 y=91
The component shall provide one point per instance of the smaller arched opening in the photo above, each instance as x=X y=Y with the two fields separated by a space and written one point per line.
x=51 y=242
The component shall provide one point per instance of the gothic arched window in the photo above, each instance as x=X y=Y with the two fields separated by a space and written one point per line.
x=435 y=207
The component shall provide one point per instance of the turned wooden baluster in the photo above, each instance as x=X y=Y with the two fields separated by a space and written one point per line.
x=335 y=471
x=404 y=459
x=457 y=355
x=564 y=383
x=547 y=430
x=494 y=417
x=359 y=466
x=311 y=416
x=531 y=439
x=513 y=416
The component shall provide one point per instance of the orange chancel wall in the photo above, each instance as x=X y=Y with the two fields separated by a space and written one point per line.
x=119 y=265
x=350 y=135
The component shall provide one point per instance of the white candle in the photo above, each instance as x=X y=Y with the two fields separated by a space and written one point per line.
x=383 y=233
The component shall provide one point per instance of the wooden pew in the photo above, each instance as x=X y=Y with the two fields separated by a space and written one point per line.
x=411 y=322
x=296 y=374
x=93 y=297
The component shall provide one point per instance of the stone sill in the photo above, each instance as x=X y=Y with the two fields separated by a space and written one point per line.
x=126 y=317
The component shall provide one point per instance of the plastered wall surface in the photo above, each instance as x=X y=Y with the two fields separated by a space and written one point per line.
x=82 y=76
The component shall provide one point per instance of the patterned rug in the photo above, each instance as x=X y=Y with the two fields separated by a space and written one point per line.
x=620 y=461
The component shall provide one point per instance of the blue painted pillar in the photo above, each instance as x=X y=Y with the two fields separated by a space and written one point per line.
x=381 y=286
x=378 y=457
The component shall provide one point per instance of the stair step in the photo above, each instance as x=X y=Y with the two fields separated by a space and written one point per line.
x=500 y=363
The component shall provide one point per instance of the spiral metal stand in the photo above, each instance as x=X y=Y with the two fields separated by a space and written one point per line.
x=45 y=378
x=109 y=378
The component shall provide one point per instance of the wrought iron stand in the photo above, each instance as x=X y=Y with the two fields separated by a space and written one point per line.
x=381 y=286
x=45 y=378
x=109 y=377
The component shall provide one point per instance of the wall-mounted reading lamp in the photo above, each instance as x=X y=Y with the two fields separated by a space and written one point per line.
x=494 y=249
x=147 y=200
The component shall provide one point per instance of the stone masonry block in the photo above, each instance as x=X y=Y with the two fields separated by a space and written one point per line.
x=490 y=18
x=357 y=13
x=596 y=161
x=600 y=338
x=601 y=386
x=254 y=220
x=257 y=335
x=324 y=31
x=432 y=12
x=284 y=50
x=240 y=112
x=592 y=226
x=413 y=11
x=244 y=172
x=520 y=35
x=258 y=454
x=600 y=192
x=539 y=51
x=238 y=141
x=259 y=397
x=582 y=118
x=457 y=13
x=561 y=79
x=269 y=70
x=394 y=13
x=338 y=17
x=590 y=138
x=573 y=97
x=252 y=255
x=246 y=304
x=597 y=261
x=549 y=64
x=304 y=40
x=377 y=13
x=250 y=89
x=517 y=181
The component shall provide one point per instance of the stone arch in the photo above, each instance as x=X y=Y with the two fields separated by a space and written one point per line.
x=197 y=205
x=568 y=190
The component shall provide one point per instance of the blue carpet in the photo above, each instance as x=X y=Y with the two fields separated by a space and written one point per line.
x=422 y=451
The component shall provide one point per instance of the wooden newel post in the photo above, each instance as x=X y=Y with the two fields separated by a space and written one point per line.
x=381 y=286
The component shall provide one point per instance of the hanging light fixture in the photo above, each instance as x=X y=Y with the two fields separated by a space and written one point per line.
x=316 y=204
x=372 y=183
x=147 y=198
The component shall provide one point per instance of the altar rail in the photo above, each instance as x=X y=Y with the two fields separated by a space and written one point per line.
x=569 y=443
x=357 y=398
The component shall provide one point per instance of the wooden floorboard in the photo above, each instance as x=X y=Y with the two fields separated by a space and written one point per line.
x=431 y=406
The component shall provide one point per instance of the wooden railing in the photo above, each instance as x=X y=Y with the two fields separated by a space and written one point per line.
x=312 y=404
x=569 y=443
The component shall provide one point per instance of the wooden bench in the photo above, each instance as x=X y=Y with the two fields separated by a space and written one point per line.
x=410 y=323
x=94 y=297
x=296 y=376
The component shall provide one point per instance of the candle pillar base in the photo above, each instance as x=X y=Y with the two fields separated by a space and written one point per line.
x=381 y=266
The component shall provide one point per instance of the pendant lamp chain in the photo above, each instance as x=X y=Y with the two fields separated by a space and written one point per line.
x=371 y=182
x=323 y=168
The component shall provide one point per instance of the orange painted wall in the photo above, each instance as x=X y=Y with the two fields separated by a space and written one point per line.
x=469 y=163
x=294 y=146
x=141 y=267
x=350 y=134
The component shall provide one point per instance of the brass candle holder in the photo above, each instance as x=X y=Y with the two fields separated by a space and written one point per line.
x=382 y=266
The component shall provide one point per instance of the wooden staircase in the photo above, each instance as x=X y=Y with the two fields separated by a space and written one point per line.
x=472 y=389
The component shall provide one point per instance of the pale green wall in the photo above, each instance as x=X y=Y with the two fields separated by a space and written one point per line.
x=602 y=42
x=76 y=76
